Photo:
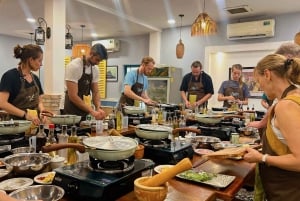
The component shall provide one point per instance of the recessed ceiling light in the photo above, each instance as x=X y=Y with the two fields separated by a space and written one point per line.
x=171 y=21
x=31 y=20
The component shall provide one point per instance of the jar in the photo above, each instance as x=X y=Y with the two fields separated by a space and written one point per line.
x=235 y=138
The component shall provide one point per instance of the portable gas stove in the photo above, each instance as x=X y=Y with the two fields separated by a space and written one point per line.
x=14 y=140
x=166 y=152
x=88 y=181
x=136 y=119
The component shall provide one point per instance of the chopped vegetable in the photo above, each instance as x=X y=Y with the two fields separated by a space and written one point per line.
x=197 y=176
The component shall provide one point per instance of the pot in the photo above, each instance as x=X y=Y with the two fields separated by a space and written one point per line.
x=27 y=164
x=205 y=142
x=14 y=126
x=108 y=148
x=209 y=119
x=152 y=132
x=66 y=119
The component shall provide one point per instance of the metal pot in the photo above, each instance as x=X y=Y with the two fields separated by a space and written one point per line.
x=205 y=142
x=101 y=147
x=27 y=164
x=209 y=119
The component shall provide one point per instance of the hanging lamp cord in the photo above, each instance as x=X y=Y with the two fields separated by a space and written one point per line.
x=181 y=15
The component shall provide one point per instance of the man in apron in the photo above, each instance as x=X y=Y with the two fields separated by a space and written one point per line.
x=81 y=79
x=196 y=85
x=234 y=90
x=136 y=84
x=20 y=89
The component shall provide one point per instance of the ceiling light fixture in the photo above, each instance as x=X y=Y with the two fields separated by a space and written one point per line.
x=82 y=49
x=203 y=25
x=39 y=36
x=180 y=45
x=68 y=38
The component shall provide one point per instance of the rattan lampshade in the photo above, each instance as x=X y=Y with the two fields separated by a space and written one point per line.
x=180 y=45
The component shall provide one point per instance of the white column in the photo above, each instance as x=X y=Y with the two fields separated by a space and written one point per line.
x=54 y=52
x=154 y=46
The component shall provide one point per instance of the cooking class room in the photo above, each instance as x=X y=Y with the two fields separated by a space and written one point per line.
x=161 y=100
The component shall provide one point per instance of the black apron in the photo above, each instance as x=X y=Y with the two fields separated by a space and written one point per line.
x=235 y=92
x=84 y=88
x=27 y=98
x=137 y=88
x=196 y=88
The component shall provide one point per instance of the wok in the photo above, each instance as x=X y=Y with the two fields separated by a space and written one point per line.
x=100 y=147
x=27 y=164
x=66 y=119
x=209 y=119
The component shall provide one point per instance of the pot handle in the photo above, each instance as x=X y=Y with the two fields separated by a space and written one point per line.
x=55 y=147
x=194 y=130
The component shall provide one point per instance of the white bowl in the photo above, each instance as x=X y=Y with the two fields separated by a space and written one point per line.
x=57 y=161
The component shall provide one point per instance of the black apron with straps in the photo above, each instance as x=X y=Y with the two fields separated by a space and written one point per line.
x=84 y=88
x=235 y=92
x=196 y=88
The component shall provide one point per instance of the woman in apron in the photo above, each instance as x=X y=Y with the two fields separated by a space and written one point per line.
x=234 y=90
x=20 y=89
x=279 y=162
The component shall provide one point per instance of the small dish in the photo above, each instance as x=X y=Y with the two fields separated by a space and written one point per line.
x=159 y=168
x=10 y=185
x=203 y=151
x=44 y=178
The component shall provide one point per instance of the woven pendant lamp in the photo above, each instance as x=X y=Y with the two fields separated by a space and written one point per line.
x=297 y=38
x=180 y=45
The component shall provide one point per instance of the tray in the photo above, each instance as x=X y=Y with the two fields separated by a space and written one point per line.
x=215 y=180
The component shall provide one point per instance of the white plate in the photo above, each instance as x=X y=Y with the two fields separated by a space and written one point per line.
x=159 y=168
x=15 y=183
x=44 y=178
x=203 y=151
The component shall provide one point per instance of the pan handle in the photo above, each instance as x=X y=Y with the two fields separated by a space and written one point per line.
x=55 y=147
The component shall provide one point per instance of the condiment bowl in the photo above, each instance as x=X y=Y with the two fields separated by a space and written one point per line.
x=146 y=193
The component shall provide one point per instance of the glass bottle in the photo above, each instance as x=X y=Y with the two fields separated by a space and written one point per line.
x=51 y=139
x=160 y=115
x=41 y=138
x=63 y=138
x=73 y=138
x=119 y=119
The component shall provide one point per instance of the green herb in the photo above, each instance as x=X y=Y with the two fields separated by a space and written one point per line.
x=197 y=176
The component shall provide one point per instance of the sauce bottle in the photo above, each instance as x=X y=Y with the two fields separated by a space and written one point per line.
x=72 y=156
x=63 y=138
x=119 y=119
x=41 y=138
x=51 y=139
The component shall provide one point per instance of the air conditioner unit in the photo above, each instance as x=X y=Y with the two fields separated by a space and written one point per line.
x=111 y=45
x=248 y=30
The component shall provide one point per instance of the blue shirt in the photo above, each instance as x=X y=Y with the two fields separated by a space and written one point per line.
x=131 y=78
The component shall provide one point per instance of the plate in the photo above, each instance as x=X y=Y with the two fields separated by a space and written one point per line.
x=44 y=178
x=203 y=151
x=159 y=168
x=15 y=183
x=215 y=180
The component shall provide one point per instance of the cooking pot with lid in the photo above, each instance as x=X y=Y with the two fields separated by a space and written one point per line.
x=108 y=148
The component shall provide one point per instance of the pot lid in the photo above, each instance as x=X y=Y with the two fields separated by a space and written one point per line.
x=151 y=127
x=110 y=142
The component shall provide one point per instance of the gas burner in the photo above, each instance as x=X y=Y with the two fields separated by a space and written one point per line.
x=12 y=138
x=155 y=143
x=111 y=167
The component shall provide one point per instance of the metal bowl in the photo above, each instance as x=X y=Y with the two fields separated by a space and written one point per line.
x=248 y=130
x=14 y=127
x=23 y=150
x=27 y=164
x=39 y=192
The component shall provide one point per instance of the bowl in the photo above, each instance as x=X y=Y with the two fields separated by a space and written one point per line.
x=57 y=161
x=27 y=164
x=23 y=150
x=14 y=126
x=146 y=193
x=248 y=130
x=139 y=152
x=39 y=192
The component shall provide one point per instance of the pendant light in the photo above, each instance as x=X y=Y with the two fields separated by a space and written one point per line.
x=79 y=50
x=180 y=45
x=203 y=25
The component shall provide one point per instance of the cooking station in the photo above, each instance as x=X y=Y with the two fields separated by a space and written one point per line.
x=83 y=182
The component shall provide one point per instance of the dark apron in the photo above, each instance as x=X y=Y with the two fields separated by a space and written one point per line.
x=137 y=88
x=235 y=92
x=84 y=88
x=27 y=98
x=196 y=88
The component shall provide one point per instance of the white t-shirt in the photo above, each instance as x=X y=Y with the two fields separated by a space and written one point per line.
x=74 y=71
